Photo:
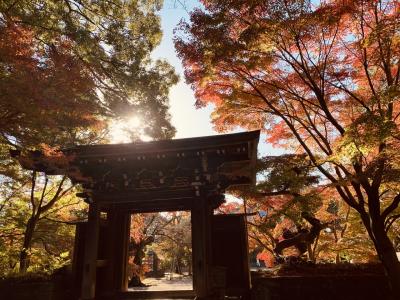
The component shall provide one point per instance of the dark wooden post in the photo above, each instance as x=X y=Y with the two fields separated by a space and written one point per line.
x=90 y=257
x=201 y=247
x=112 y=278
x=110 y=244
x=123 y=221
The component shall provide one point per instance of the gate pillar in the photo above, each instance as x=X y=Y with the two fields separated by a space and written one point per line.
x=112 y=278
x=90 y=256
x=122 y=251
x=201 y=247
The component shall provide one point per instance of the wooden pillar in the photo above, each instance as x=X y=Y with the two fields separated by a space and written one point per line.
x=112 y=277
x=111 y=247
x=90 y=257
x=201 y=247
x=122 y=251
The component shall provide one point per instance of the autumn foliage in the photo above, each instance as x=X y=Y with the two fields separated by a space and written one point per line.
x=49 y=82
x=321 y=78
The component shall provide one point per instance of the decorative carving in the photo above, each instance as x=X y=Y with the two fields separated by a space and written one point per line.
x=180 y=182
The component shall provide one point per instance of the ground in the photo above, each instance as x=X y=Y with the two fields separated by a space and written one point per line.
x=176 y=283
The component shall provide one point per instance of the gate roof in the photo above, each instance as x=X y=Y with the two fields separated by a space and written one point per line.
x=157 y=175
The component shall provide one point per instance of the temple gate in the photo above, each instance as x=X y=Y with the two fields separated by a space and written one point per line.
x=170 y=175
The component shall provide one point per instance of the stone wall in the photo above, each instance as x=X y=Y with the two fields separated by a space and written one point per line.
x=334 y=287
x=55 y=289
x=347 y=287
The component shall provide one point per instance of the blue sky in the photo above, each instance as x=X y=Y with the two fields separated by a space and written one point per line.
x=188 y=120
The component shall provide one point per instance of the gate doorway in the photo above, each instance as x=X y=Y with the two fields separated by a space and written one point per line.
x=160 y=252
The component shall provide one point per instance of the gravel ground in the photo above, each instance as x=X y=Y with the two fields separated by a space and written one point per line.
x=177 y=283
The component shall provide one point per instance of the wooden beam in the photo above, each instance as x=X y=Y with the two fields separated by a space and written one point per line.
x=90 y=257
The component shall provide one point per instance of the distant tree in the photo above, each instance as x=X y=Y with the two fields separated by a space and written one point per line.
x=173 y=244
x=320 y=76
x=345 y=238
x=143 y=228
x=167 y=235
x=144 y=231
x=229 y=208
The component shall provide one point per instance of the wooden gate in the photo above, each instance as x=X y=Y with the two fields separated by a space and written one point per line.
x=230 y=253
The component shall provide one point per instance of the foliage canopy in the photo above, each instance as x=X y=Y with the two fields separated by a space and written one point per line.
x=321 y=78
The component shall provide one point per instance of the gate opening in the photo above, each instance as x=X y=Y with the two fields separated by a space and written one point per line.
x=160 y=252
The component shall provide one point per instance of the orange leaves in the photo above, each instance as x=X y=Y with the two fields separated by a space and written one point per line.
x=53 y=156
x=16 y=44
x=267 y=257
x=43 y=87
x=230 y=208
x=278 y=134
x=320 y=78
x=137 y=227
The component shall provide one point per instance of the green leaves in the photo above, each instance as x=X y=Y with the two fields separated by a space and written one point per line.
x=290 y=174
x=96 y=55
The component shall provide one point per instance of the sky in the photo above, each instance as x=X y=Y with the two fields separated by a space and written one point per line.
x=188 y=121
x=186 y=118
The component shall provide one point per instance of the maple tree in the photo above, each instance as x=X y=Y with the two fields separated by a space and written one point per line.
x=37 y=212
x=36 y=208
x=298 y=214
x=227 y=208
x=287 y=194
x=46 y=96
x=39 y=209
x=321 y=78
x=86 y=52
x=144 y=227
x=279 y=218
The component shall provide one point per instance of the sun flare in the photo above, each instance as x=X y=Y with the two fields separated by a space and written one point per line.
x=122 y=131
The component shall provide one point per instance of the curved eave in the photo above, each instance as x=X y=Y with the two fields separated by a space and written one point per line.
x=35 y=160
x=186 y=144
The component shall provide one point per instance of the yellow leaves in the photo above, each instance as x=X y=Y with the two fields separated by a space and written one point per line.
x=64 y=254
x=363 y=139
x=263 y=43
x=346 y=152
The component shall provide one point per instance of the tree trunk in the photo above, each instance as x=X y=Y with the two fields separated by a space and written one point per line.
x=28 y=236
x=190 y=268
x=138 y=249
x=136 y=280
x=374 y=223
x=310 y=253
x=388 y=257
